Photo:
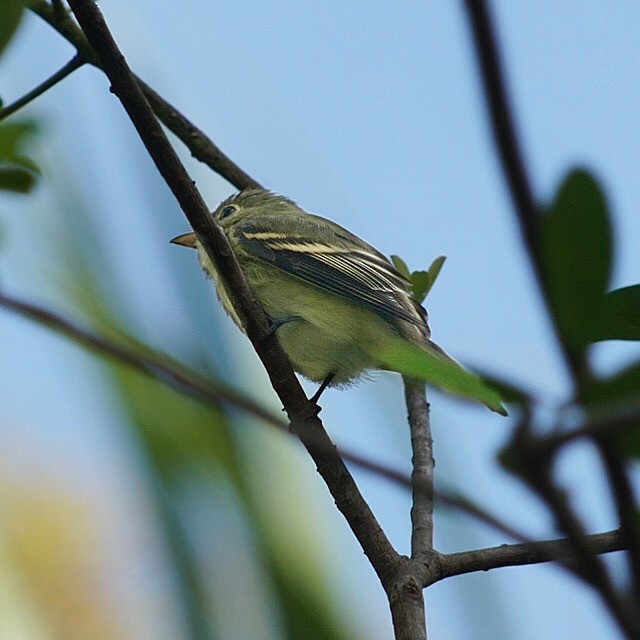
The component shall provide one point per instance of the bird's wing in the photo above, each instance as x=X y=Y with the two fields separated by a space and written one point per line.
x=339 y=262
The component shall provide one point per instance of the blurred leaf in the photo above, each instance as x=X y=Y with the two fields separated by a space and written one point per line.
x=18 y=180
x=17 y=172
x=511 y=394
x=305 y=613
x=10 y=15
x=618 y=393
x=624 y=384
x=621 y=316
x=576 y=250
x=439 y=371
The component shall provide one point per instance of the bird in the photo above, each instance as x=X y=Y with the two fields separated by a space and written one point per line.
x=335 y=303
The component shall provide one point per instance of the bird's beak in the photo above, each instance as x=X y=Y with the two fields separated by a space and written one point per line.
x=186 y=240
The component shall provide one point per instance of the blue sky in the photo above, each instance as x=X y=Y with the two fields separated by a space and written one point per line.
x=371 y=115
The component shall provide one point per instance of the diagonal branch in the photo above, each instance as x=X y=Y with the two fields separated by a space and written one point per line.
x=206 y=390
x=348 y=498
x=75 y=63
x=619 y=419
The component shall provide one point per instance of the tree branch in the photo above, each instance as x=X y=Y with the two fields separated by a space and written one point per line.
x=75 y=63
x=397 y=577
x=202 y=148
x=181 y=379
x=422 y=474
x=535 y=552
x=199 y=144
x=348 y=498
x=177 y=377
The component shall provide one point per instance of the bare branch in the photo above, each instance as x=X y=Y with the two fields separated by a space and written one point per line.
x=466 y=506
x=348 y=498
x=201 y=146
x=75 y=63
x=178 y=377
x=534 y=552
x=422 y=474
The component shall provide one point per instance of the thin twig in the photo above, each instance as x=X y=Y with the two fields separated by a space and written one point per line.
x=199 y=144
x=620 y=419
x=183 y=380
x=464 y=505
x=422 y=473
x=206 y=390
x=202 y=148
x=75 y=63
x=534 y=552
x=513 y=165
x=346 y=494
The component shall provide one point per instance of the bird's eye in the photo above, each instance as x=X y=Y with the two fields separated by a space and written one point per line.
x=227 y=211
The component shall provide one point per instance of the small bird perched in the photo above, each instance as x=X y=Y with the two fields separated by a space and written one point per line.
x=333 y=299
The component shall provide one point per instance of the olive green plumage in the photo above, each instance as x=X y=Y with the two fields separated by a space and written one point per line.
x=334 y=298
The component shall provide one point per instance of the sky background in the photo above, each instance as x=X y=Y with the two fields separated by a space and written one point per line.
x=373 y=116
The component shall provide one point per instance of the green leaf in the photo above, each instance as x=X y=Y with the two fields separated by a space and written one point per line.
x=401 y=266
x=621 y=315
x=576 y=250
x=420 y=285
x=10 y=15
x=17 y=172
x=440 y=371
x=11 y=133
x=436 y=266
x=421 y=281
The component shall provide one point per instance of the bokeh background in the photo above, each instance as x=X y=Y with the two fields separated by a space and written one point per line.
x=129 y=512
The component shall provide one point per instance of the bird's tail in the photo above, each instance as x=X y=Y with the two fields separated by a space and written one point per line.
x=436 y=367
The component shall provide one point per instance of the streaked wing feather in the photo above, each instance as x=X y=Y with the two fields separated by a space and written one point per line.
x=354 y=271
